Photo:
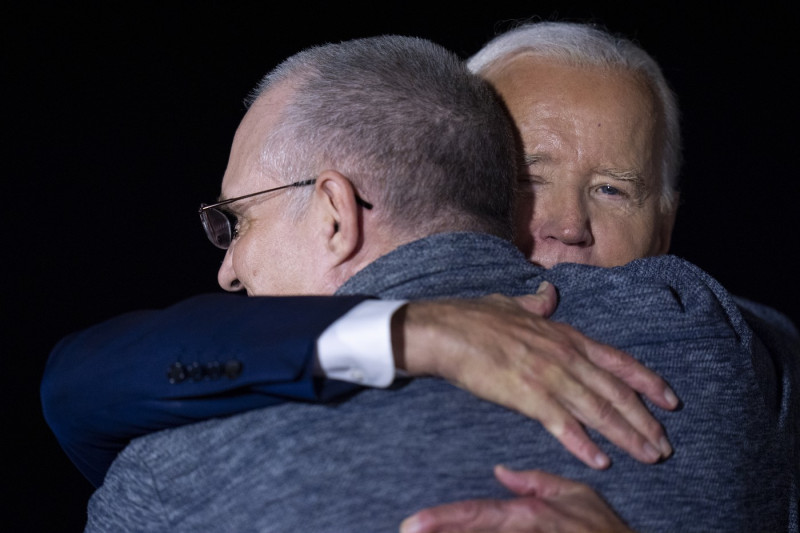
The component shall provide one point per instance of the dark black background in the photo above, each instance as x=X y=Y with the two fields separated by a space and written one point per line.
x=118 y=121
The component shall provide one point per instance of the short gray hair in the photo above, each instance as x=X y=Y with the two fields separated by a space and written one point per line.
x=425 y=140
x=585 y=44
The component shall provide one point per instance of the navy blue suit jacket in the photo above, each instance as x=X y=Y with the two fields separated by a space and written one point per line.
x=209 y=356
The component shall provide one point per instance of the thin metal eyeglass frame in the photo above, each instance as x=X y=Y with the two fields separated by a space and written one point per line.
x=203 y=207
x=213 y=208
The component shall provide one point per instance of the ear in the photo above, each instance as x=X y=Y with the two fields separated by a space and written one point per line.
x=338 y=215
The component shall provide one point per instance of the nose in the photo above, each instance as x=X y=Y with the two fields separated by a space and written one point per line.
x=563 y=219
x=226 y=277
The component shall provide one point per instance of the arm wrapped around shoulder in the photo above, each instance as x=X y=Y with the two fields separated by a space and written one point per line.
x=208 y=356
x=735 y=434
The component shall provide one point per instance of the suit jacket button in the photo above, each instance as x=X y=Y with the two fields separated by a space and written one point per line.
x=176 y=373
x=195 y=371
x=213 y=370
x=233 y=368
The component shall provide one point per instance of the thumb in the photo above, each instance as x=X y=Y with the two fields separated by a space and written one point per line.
x=543 y=303
x=533 y=482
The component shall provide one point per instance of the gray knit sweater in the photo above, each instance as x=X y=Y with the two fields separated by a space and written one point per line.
x=364 y=464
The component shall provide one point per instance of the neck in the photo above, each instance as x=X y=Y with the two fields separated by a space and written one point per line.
x=439 y=264
x=376 y=241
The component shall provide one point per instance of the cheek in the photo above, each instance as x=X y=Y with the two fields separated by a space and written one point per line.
x=247 y=260
x=272 y=263
x=621 y=239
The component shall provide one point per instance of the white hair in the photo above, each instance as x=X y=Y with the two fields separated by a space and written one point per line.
x=584 y=44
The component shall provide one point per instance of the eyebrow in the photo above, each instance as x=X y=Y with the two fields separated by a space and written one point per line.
x=622 y=175
x=614 y=173
x=630 y=176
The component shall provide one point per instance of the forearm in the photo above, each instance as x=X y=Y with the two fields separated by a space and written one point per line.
x=118 y=380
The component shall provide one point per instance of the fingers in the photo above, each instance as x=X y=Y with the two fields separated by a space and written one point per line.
x=575 y=508
x=535 y=482
x=471 y=515
x=545 y=370
x=555 y=503
x=633 y=373
x=601 y=401
x=622 y=365
x=560 y=423
x=565 y=391
x=543 y=303
x=476 y=516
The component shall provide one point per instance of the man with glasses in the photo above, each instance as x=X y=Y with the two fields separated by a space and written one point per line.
x=367 y=461
x=190 y=375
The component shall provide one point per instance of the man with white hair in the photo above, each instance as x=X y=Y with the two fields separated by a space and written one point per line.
x=601 y=134
x=602 y=140
x=340 y=141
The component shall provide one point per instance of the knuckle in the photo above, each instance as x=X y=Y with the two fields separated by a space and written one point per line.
x=555 y=424
x=572 y=431
x=621 y=394
x=567 y=353
x=613 y=359
x=559 y=350
x=604 y=411
x=653 y=427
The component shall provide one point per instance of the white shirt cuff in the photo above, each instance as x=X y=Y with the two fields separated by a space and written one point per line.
x=358 y=347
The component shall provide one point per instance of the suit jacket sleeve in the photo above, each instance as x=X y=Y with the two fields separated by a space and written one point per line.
x=209 y=356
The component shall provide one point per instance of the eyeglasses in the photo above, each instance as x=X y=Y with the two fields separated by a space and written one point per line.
x=219 y=224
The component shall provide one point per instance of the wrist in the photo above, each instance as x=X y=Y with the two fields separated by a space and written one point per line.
x=417 y=339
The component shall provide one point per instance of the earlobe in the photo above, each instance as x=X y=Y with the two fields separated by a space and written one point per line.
x=339 y=215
